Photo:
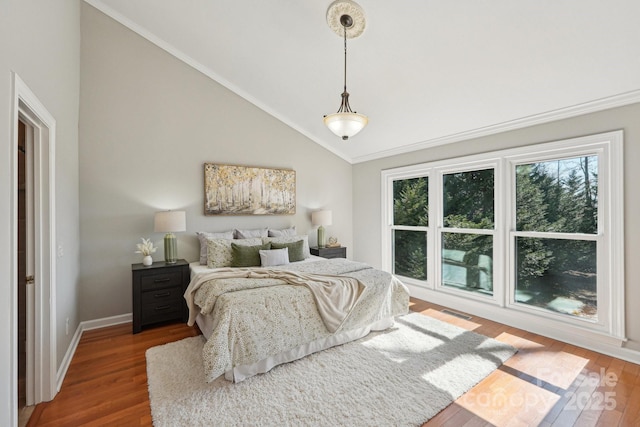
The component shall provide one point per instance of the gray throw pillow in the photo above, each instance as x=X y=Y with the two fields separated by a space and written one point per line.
x=296 y=249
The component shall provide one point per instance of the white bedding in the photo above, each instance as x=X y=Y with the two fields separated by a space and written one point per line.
x=252 y=326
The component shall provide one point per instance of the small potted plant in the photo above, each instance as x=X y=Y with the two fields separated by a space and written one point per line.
x=146 y=248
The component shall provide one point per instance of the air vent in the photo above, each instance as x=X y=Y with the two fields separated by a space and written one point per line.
x=454 y=313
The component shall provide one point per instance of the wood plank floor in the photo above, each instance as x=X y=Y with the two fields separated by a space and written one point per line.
x=547 y=383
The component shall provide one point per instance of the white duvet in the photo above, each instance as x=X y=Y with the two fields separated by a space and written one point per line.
x=258 y=313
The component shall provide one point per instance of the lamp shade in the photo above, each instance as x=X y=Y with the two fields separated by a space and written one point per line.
x=170 y=221
x=321 y=218
x=345 y=125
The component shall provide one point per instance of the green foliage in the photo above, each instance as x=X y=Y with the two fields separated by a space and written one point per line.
x=469 y=199
x=411 y=207
x=556 y=196
x=410 y=252
x=411 y=202
x=553 y=196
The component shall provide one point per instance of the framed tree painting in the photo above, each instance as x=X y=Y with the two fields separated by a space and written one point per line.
x=245 y=190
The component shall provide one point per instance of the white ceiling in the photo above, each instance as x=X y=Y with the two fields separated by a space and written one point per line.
x=425 y=72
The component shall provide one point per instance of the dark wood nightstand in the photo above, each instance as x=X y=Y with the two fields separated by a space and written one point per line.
x=158 y=293
x=327 y=252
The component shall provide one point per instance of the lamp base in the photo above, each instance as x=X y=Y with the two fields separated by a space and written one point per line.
x=321 y=240
x=170 y=248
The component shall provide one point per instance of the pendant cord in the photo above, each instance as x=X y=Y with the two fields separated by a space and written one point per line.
x=345 y=57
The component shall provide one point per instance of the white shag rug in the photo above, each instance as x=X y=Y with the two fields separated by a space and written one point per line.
x=399 y=377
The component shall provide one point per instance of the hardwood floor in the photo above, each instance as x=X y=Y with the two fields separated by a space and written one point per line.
x=106 y=383
x=547 y=383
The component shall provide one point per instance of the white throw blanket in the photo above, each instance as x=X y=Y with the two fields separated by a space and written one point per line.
x=335 y=296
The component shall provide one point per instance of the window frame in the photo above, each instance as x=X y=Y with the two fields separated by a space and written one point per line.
x=610 y=326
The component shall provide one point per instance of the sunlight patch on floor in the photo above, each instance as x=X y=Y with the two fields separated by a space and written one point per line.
x=504 y=400
x=557 y=368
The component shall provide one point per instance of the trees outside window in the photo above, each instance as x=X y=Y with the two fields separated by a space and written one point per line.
x=410 y=220
x=468 y=213
x=535 y=230
x=557 y=205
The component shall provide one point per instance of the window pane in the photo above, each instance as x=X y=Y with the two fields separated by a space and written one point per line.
x=467 y=262
x=558 y=196
x=411 y=202
x=410 y=254
x=468 y=199
x=558 y=275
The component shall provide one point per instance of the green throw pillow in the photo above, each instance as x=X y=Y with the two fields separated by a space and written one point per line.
x=247 y=256
x=296 y=249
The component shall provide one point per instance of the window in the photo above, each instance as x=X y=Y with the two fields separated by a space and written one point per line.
x=410 y=222
x=556 y=234
x=535 y=231
x=466 y=238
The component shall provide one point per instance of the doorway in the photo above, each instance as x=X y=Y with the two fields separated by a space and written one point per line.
x=33 y=343
x=22 y=267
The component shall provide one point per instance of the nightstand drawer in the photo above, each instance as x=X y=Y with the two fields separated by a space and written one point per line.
x=162 y=296
x=160 y=312
x=161 y=280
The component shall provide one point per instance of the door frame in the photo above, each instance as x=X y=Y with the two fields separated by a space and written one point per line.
x=28 y=108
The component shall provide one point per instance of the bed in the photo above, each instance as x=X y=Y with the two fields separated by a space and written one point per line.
x=257 y=317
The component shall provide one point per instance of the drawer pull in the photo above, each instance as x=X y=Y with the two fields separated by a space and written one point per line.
x=164 y=294
x=163 y=307
x=166 y=279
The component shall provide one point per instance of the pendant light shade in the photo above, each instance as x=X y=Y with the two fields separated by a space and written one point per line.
x=345 y=125
x=347 y=16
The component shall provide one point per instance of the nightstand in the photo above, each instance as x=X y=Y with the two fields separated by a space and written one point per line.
x=327 y=252
x=158 y=293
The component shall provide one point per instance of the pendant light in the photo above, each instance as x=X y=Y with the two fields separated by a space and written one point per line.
x=345 y=123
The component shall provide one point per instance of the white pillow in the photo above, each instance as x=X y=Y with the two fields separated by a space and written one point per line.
x=290 y=239
x=203 y=236
x=283 y=232
x=269 y=258
x=248 y=234
x=219 y=253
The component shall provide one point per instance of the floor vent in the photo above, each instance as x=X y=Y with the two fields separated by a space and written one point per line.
x=460 y=315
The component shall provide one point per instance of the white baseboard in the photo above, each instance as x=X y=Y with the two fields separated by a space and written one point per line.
x=86 y=326
x=68 y=356
x=107 y=321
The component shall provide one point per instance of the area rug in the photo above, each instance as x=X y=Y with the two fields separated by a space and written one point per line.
x=401 y=376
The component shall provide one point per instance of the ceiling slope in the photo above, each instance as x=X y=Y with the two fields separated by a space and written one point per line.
x=425 y=72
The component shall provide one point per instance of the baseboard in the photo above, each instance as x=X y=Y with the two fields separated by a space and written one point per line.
x=107 y=321
x=86 y=326
x=68 y=356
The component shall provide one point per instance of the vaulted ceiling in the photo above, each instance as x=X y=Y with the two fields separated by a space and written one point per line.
x=425 y=72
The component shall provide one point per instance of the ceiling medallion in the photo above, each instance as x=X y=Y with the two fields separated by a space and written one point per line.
x=346 y=7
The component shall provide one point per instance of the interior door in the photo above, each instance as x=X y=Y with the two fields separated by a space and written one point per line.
x=29 y=267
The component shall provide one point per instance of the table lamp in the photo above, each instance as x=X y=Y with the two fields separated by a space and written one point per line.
x=321 y=218
x=170 y=222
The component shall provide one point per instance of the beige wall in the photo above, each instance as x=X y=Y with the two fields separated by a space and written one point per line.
x=148 y=122
x=40 y=41
x=366 y=187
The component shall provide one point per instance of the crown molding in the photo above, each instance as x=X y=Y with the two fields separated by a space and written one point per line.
x=536 y=119
x=601 y=104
